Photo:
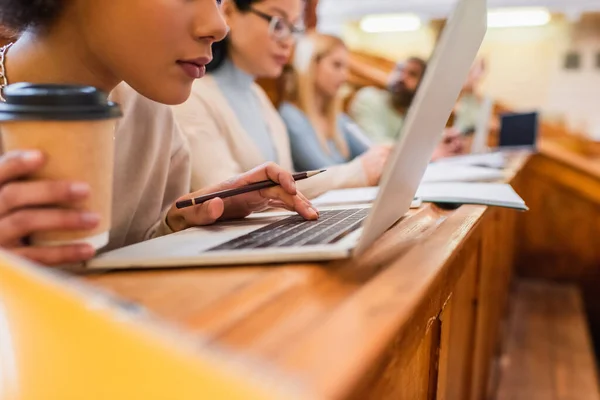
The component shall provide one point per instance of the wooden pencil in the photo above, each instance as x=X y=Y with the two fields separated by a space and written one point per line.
x=244 y=189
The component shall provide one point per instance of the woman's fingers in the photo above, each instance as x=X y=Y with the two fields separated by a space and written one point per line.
x=23 y=223
x=18 y=195
x=279 y=204
x=17 y=164
x=305 y=200
x=242 y=205
x=203 y=214
x=272 y=172
x=296 y=203
x=18 y=218
x=58 y=255
x=281 y=176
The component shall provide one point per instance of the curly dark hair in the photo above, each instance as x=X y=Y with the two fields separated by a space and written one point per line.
x=18 y=15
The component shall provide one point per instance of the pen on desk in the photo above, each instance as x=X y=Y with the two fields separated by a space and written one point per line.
x=244 y=189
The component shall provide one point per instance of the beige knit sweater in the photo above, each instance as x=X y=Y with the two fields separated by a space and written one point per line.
x=151 y=168
x=221 y=148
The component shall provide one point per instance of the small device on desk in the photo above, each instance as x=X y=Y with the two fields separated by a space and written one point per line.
x=447 y=206
x=518 y=131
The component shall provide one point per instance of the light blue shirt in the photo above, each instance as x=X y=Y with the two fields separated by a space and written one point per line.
x=373 y=112
x=237 y=87
x=307 y=152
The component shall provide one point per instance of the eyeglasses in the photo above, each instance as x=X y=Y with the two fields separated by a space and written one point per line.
x=279 y=28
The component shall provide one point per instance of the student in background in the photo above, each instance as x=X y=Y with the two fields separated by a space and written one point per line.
x=469 y=106
x=452 y=144
x=380 y=113
x=143 y=54
x=321 y=135
x=230 y=124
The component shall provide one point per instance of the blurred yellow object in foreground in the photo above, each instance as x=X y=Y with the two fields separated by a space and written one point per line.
x=61 y=340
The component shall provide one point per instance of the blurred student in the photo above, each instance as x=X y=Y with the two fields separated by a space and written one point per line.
x=469 y=105
x=229 y=121
x=321 y=135
x=380 y=113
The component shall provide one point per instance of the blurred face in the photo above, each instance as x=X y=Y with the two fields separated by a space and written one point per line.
x=405 y=83
x=260 y=40
x=159 y=47
x=332 y=72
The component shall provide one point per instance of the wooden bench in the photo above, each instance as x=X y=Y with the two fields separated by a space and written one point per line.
x=548 y=353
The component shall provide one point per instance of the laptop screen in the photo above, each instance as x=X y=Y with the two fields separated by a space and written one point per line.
x=518 y=130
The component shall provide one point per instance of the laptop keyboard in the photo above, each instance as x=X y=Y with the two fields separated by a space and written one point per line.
x=295 y=231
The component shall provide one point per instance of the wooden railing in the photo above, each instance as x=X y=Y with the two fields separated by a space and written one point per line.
x=369 y=70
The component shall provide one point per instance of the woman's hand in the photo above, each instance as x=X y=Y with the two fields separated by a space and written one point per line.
x=373 y=162
x=27 y=207
x=284 y=195
x=452 y=144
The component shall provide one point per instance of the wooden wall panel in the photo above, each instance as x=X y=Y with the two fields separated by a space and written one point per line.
x=458 y=331
x=495 y=274
x=409 y=374
x=548 y=353
x=559 y=238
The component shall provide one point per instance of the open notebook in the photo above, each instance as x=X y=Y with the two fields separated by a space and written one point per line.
x=442 y=172
x=488 y=160
x=490 y=194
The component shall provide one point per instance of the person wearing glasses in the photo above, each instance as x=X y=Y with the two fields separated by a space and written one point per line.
x=229 y=121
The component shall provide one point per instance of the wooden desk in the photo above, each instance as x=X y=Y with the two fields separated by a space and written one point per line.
x=417 y=317
x=559 y=239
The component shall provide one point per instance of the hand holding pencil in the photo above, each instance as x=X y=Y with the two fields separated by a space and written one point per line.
x=265 y=186
x=241 y=190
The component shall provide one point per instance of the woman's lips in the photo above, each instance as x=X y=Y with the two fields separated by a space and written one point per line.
x=282 y=60
x=195 y=69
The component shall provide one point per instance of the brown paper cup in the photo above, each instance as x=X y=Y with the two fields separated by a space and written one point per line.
x=73 y=126
x=77 y=151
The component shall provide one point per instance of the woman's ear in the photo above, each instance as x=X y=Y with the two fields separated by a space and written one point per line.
x=228 y=9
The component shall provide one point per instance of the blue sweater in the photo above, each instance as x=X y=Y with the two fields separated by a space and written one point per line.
x=236 y=86
x=307 y=153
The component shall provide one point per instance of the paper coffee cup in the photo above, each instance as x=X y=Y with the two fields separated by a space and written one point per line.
x=73 y=126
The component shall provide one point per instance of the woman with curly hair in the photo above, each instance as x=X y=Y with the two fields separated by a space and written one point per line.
x=144 y=53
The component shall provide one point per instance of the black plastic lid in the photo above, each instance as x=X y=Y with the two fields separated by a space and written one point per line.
x=35 y=102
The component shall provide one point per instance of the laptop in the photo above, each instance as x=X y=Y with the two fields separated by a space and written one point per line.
x=339 y=232
x=518 y=131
